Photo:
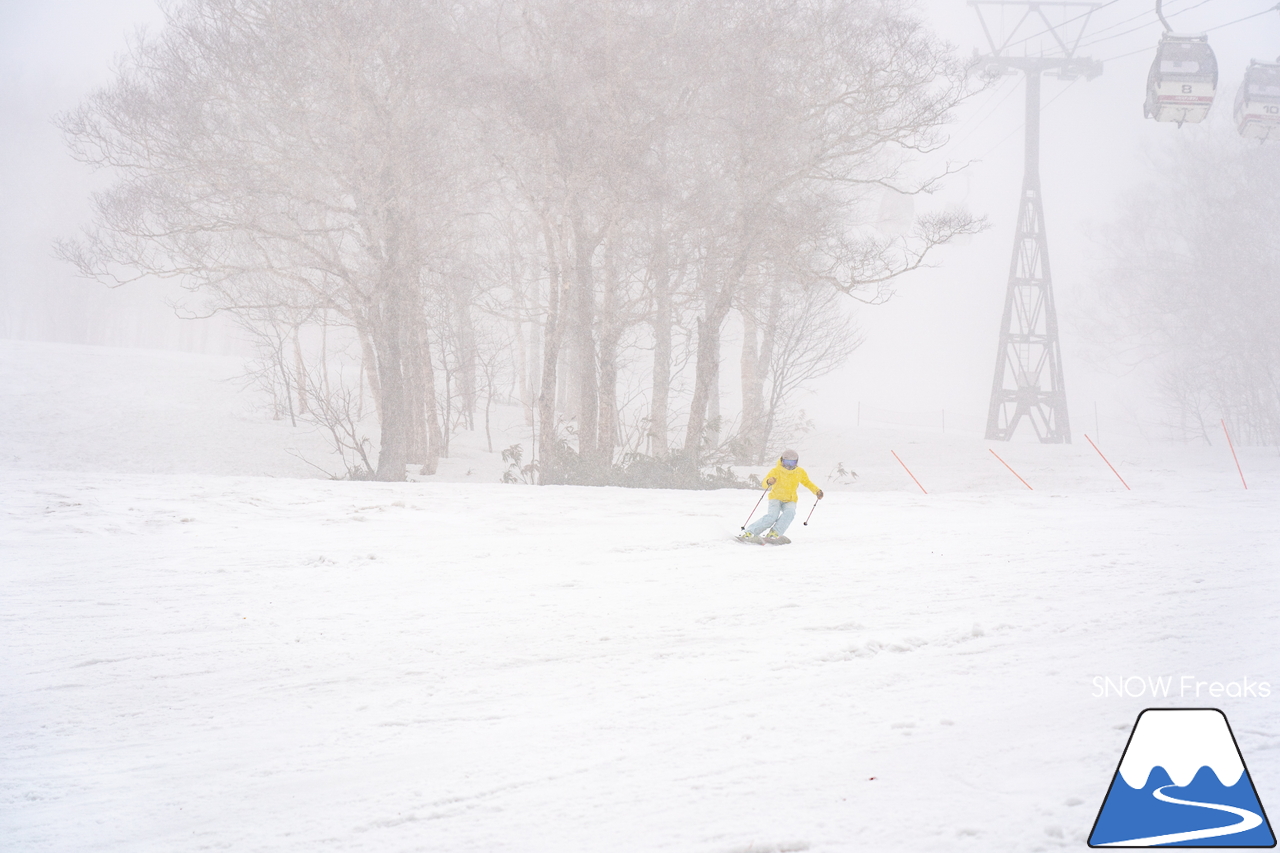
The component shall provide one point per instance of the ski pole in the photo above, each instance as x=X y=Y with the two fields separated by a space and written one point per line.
x=815 y=506
x=756 y=507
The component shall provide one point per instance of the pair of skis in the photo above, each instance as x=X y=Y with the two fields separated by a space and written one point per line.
x=763 y=540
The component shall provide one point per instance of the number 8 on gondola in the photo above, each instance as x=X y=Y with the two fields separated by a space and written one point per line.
x=1182 y=81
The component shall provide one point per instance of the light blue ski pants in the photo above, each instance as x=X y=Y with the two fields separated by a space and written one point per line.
x=779 y=517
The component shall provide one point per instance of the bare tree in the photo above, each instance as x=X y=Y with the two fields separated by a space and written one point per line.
x=611 y=179
x=290 y=144
x=815 y=102
x=813 y=335
x=1190 y=283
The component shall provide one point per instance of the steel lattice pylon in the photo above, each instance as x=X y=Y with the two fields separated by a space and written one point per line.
x=1028 y=376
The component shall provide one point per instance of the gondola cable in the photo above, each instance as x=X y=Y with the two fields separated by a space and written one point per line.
x=1109 y=26
x=1274 y=8
x=1133 y=18
x=1063 y=24
x=980 y=122
x=1023 y=124
x=1143 y=26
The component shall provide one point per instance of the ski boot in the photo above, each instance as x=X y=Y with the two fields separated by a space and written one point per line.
x=750 y=538
x=773 y=537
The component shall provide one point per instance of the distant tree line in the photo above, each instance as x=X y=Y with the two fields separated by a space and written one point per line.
x=559 y=202
x=1190 y=284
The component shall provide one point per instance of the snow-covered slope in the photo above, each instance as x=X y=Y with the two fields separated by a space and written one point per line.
x=68 y=407
x=111 y=410
x=195 y=661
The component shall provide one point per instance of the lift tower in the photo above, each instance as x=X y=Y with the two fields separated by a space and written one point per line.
x=1028 y=377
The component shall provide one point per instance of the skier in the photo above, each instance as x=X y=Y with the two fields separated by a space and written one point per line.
x=785 y=477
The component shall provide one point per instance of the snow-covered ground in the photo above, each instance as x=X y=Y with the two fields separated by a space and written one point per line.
x=198 y=656
x=85 y=408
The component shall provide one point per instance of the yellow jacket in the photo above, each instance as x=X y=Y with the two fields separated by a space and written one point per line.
x=786 y=483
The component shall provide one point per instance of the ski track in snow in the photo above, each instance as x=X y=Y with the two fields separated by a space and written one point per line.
x=200 y=662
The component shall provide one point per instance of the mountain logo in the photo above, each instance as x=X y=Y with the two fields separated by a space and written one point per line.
x=1181 y=783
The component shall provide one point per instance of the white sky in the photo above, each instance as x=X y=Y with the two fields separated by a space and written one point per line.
x=932 y=347
x=52 y=54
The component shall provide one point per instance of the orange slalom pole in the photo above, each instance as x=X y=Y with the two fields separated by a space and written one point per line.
x=1011 y=471
x=1109 y=465
x=1233 y=452
x=908 y=470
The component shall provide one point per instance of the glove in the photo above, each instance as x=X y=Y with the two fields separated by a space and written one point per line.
x=819 y=494
x=770 y=481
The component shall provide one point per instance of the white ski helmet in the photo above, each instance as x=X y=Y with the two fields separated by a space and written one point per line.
x=790 y=454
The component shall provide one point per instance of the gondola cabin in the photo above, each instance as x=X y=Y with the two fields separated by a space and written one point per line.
x=1183 y=79
x=1258 y=102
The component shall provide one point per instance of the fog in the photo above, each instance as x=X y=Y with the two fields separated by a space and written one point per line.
x=271 y=580
x=931 y=347
x=934 y=344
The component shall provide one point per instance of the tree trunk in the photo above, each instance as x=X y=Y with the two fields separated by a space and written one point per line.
x=447 y=418
x=661 y=322
x=714 y=423
x=285 y=379
x=584 y=315
x=610 y=338
x=525 y=354
x=566 y=393
x=430 y=405
x=716 y=305
x=550 y=468
x=767 y=341
x=369 y=363
x=324 y=354
x=300 y=372
x=465 y=367
x=395 y=309
x=416 y=370
x=706 y=380
x=523 y=383
x=415 y=425
x=752 y=383
x=530 y=389
x=393 y=445
x=705 y=383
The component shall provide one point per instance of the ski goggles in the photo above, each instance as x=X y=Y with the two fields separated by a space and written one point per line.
x=790 y=464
